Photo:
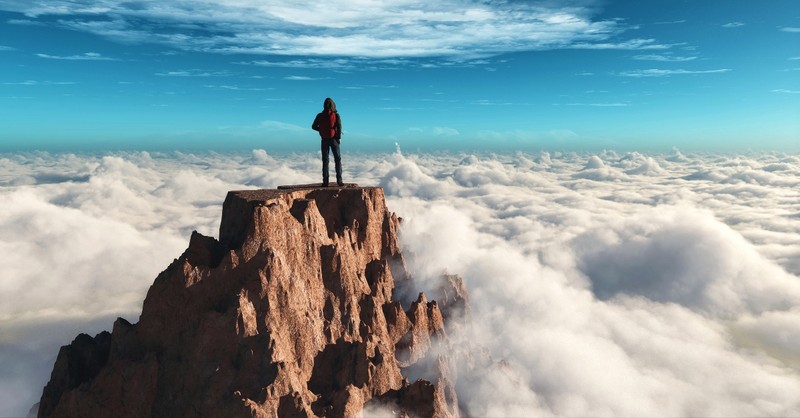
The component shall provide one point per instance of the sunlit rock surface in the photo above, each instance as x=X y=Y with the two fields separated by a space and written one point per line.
x=292 y=312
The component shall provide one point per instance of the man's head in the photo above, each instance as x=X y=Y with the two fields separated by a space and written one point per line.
x=328 y=104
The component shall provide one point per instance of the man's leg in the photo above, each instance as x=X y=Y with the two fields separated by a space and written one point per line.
x=337 y=160
x=325 y=148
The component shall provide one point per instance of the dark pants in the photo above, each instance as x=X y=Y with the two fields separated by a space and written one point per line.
x=331 y=144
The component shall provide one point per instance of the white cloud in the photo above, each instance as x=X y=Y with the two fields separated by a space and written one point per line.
x=633 y=44
x=88 y=56
x=607 y=104
x=236 y=88
x=411 y=28
x=609 y=284
x=441 y=133
x=733 y=25
x=336 y=63
x=648 y=167
x=194 y=73
x=790 y=29
x=596 y=169
x=775 y=332
x=649 y=344
x=282 y=126
x=489 y=102
x=654 y=72
x=690 y=259
x=663 y=58
x=562 y=135
x=24 y=22
x=304 y=78
x=39 y=83
x=347 y=64
x=6 y=48
x=787 y=91
x=445 y=131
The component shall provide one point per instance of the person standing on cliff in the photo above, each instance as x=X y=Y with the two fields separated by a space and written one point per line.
x=329 y=125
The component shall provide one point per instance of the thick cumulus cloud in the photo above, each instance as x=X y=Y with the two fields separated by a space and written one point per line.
x=621 y=296
x=678 y=255
x=605 y=284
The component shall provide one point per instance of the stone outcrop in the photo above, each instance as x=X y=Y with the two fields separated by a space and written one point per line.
x=292 y=312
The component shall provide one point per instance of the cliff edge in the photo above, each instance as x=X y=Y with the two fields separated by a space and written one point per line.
x=292 y=312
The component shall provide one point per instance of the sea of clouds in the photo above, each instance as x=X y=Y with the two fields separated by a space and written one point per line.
x=601 y=284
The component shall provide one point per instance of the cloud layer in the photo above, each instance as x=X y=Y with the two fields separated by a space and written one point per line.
x=605 y=284
x=376 y=29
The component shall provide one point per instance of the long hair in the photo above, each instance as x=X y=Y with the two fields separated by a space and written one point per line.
x=328 y=104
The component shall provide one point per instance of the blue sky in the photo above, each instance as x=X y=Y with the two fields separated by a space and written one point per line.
x=463 y=75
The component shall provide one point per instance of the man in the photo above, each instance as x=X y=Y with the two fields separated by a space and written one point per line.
x=329 y=125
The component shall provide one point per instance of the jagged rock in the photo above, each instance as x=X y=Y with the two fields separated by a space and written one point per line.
x=453 y=298
x=33 y=412
x=291 y=312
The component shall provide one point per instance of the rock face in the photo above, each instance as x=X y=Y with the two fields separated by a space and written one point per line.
x=290 y=313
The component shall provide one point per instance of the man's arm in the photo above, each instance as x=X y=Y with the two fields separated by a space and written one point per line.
x=315 y=125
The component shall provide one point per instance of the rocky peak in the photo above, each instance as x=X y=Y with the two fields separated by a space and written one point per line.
x=292 y=312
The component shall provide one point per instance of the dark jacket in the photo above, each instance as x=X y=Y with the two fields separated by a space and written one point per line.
x=328 y=124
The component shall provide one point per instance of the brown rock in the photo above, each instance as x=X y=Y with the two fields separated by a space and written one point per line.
x=290 y=313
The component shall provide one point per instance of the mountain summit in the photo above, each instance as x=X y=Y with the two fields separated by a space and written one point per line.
x=292 y=312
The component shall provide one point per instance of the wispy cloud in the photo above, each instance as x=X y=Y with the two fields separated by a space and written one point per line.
x=612 y=104
x=372 y=86
x=790 y=29
x=88 y=56
x=39 y=83
x=733 y=25
x=236 y=88
x=348 y=64
x=785 y=91
x=488 y=102
x=441 y=131
x=655 y=72
x=6 y=48
x=672 y=22
x=194 y=73
x=633 y=44
x=452 y=29
x=304 y=78
x=445 y=131
x=275 y=125
x=335 y=63
x=663 y=58
x=24 y=22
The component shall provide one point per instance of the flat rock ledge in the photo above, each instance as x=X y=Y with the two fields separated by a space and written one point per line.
x=331 y=185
